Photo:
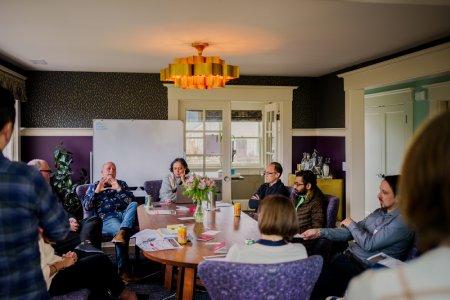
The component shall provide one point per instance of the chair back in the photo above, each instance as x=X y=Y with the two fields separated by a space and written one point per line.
x=81 y=192
x=413 y=251
x=82 y=294
x=332 y=207
x=152 y=188
x=290 y=280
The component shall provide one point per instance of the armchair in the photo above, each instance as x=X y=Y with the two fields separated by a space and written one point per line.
x=290 y=280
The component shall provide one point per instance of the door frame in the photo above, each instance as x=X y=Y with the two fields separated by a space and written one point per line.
x=233 y=93
x=224 y=106
x=429 y=62
x=373 y=102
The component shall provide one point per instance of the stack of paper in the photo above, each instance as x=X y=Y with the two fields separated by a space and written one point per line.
x=385 y=260
x=207 y=235
x=151 y=240
x=220 y=248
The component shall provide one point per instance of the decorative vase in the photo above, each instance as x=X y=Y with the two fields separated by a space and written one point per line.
x=326 y=170
x=198 y=214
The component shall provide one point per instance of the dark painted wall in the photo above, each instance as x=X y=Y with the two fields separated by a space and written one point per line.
x=328 y=146
x=42 y=147
x=330 y=109
x=73 y=99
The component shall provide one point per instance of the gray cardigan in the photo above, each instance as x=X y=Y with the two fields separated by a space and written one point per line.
x=378 y=232
x=169 y=186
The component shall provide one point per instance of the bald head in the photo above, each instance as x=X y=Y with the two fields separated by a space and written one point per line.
x=43 y=167
x=109 y=170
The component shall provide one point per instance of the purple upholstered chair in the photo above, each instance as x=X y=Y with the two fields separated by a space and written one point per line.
x=332 y=205
x=152 y=188
x=77 y=295
x=290 y=280
x=81 y=192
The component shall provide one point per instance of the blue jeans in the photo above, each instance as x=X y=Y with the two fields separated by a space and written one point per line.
x=125 y=219
x=112 y=224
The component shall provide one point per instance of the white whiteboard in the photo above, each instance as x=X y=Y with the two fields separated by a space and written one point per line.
x=141 y=149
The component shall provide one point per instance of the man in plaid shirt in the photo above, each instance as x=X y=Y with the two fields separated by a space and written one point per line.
x=26 y=203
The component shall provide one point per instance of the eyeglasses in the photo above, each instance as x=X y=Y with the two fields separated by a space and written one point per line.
x=46 y=171
x=298 y=184
x=269 y=173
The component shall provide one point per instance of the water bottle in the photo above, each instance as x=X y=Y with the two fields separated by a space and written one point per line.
x=148 y=202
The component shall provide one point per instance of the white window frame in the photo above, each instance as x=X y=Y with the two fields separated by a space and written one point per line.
x=245 y=93
x=260 y=164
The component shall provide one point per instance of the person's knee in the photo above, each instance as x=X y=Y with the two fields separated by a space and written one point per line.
x=93 y=221
x=133 y=205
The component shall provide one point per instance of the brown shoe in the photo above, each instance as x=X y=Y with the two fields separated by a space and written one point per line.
x=120 y=237
x=128 y=278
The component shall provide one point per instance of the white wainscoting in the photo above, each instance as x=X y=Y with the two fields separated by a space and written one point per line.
x=56 y=131
x=319 y=132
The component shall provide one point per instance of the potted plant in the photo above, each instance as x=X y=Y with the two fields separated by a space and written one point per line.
x=62 y=181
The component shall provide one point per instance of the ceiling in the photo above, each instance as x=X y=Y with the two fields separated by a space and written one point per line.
x=263 y=37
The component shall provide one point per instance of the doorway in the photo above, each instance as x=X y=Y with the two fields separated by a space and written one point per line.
x=214 y=132
x=388 y=126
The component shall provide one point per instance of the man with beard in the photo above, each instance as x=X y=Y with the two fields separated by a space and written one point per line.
x=308 y=200
x=382 y=231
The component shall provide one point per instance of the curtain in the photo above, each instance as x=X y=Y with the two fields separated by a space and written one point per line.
x=14 y=84
x=246 y=115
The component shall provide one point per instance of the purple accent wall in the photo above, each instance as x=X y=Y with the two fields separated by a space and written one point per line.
x=328 y=146
x=42 y=147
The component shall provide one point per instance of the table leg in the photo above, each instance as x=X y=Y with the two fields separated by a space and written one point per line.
x=168 y=277
x=179 y=295
x=189 y=283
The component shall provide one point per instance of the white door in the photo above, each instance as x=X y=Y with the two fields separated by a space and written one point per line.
x=207 y=135
x=388 y=126
x=271 y=132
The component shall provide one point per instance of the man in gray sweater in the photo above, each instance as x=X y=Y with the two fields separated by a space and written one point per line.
x=381 y=231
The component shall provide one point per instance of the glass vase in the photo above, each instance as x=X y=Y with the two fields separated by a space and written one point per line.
x=198 y=214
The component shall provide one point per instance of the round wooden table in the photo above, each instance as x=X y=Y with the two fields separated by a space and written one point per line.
x=232 y=230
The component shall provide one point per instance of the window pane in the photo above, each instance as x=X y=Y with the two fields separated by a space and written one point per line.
x=245 y=129
x=194 y=120
x=213 y=161
x=194 y=146
x=247 y=151
x=213 y=144
x=212 y=174
x=194 y=134
x=194 y=161
x=213 y=120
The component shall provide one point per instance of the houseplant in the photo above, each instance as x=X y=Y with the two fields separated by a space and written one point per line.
x=198 y=188
x=62 y=180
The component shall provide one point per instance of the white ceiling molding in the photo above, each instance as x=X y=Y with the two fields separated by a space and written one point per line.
x=403 y=68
